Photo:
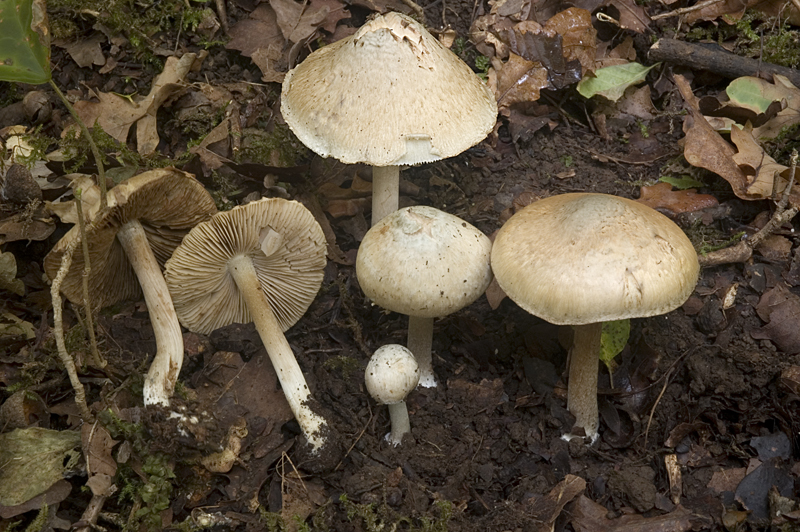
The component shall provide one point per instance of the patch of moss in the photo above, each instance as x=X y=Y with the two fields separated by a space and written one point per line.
x=276 y=148
x=379 y=517
x=346 y=365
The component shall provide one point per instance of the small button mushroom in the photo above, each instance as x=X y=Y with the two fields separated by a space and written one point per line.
x=392 y=373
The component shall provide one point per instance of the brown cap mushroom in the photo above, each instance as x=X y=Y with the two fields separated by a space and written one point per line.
x=391 y=94
x=425 y=263
x=146 y=218
x=582 y=259
x=261 y=262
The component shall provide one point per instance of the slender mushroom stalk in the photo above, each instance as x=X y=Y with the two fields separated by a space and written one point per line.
x=261 y=262
x=392 y=373
x=424 y=263
x=280 y=352
x=584 y=259
x=389 y=95
x=582 y=391
x=385 y=191
x=163 y=373
x=420 y=342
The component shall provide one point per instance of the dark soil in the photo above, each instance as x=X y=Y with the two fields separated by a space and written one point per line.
x=485 y=453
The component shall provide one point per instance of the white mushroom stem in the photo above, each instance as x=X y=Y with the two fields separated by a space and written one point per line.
x=582 y=385
x=159 y=384
x=401 y=425
x=420 y=341
x=385 y=191
x=280 y=353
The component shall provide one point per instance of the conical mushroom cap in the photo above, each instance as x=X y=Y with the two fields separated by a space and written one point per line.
x=287 y=247
x=166 y=201
x=390 y=94
x=423 y=262
x=576 y=259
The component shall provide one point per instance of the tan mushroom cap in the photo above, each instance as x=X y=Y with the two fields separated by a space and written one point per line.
x=287 y=247
x=390 y=94
x=576 y=259
x=423 y=262
x=166 y=201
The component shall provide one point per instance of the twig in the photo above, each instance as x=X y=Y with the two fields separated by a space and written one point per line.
x=58 y=329
x=98 y=159
x=743 y=250
x=87 y=269
x=355 y=442
x=684 y=10
x=417 y=10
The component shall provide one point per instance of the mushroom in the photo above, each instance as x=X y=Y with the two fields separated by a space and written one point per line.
x=389 y=95
x=584 y=259
x=261 y=262
x=425 y=263
x=146 y=218
x=392 y=373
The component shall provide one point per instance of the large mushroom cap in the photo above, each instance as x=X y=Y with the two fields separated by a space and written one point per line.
x=423 y=262
x=576 y=259
x=287 y=247
x=390 y=94
x=166 y=201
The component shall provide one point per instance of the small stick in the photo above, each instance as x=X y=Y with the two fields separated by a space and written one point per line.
x=684 y=10
x=87 y=269
x=58 y=329
x=743 y=250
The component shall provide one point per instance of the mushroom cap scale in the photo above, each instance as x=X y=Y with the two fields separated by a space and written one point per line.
x=391 y=374
x=576 y=259
x=390 y=94
x=287 y=248
x=423 y=262
x=166 y=201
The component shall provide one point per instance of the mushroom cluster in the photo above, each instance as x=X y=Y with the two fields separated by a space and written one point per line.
x=146 y=218
x=424 y=263
x=389 y=95
x=261 y=262
x=584 y=259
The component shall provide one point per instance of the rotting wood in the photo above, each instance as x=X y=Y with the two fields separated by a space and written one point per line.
x=716 y=60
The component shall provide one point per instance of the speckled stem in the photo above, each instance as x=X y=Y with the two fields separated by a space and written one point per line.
x=159 y=384
x=420 y=340
x=385 y=191
x=582 y=385
x=398 y=413
x=280 y=353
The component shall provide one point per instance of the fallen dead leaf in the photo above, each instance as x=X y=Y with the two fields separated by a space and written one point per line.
x=116 y=114
x=588 y=516
x=547 y=508
x=781 y=309
x=661 y=197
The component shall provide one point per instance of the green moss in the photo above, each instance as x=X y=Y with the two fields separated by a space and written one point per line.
x=138 y=20
x=379 y=517
x=276 y=148
x=344 y=364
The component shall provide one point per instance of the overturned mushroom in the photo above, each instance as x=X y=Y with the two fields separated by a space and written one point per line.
x=584 y=259
x=261 y=262
x=425 y=263
x=389 y=95
x=146 y=218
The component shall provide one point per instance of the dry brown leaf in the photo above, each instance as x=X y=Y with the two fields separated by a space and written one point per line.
x=784 y=91
x=547 y=508
x=705 y=148
x=87 y=52
x=100 y=465
x=259 y=31
x=299 y=21
x=661 y=197
x=116 y=114
x=781 y=308
x=631 y=16
x=518 y=80
x=760 y=168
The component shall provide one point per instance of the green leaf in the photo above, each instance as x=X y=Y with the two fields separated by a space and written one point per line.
x=612 y=81
x=8 y=274
x=32 y=460
x=613 y=340
x=748 y=92
x=682 y=183
x=24 y=42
